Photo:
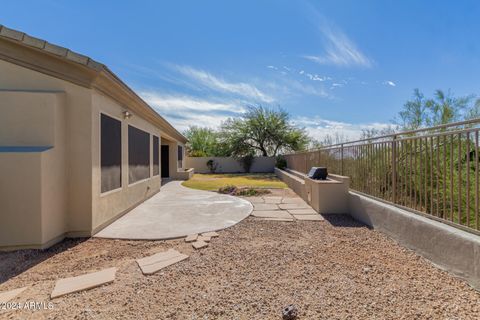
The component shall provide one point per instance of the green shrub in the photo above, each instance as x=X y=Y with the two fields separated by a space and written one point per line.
x=228 y=190
x=281 y=162
x=212 y=165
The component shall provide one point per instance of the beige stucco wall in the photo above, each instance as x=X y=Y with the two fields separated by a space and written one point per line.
x=48 y=195
x=230 y=165
x=108 y=206
x=33 y=194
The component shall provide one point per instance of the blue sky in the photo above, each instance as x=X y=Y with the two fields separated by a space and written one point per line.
x=333 y=65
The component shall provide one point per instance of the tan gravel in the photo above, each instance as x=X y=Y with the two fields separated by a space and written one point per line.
x=333 y=269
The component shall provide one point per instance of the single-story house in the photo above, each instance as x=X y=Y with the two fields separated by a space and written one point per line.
x=78 y=147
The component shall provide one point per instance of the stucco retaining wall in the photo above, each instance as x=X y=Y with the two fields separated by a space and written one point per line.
x=230 y=165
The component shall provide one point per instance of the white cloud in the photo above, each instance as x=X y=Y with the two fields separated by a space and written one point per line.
x=184 y=111
x=319 y=128
x=242 y=89
x=272 y=67
x=390 y=83
x=339 y=50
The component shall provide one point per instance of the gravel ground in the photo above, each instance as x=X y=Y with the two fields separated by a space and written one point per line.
x=334 y=269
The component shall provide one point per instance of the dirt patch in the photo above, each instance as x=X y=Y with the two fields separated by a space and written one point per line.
x=335 y=269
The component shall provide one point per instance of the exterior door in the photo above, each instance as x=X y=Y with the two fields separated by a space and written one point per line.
x=164 y=162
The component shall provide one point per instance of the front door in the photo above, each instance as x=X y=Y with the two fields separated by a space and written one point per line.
x=164 y=161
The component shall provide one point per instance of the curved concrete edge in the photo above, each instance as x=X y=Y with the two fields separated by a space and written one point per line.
x=446 y=247
x=189 y=190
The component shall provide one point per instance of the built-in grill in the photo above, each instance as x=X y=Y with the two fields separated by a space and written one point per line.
x=318 y=173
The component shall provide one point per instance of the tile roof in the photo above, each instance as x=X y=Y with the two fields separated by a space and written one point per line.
x=59 y=51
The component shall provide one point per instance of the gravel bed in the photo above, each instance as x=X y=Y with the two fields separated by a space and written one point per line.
x=334 y=269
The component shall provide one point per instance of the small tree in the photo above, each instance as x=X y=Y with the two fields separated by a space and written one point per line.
x=247 y=162
x=262 y=131
x=212 y=165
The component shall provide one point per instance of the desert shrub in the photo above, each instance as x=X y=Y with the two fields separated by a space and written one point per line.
x=228 y=190
x=251 y=192
x=247 y=162
x=281 y=162
x=212 y=165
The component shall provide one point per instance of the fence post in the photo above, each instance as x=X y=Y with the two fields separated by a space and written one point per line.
x=394 y=169
x=341 y=148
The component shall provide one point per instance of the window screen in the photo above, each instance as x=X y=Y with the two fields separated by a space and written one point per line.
x=180 y=157
x=156 y=156
x=110 y=153
x=138 y=154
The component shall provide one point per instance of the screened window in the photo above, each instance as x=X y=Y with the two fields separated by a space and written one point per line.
x=180 y=156
x=156 y=156
x=138 y=154
x=110 y=153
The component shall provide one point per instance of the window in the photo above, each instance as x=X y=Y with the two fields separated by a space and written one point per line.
x=180 y=157
x=156 y=156
x=110 y=153
x=138 y=154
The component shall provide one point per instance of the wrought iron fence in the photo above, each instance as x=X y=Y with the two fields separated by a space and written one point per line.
x=434 y=171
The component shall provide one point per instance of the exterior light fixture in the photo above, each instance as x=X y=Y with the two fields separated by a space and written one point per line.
x=126 y=115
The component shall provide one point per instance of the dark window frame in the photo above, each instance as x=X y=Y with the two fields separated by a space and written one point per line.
x=116 y=187
x=137 y=157
x=156 y=156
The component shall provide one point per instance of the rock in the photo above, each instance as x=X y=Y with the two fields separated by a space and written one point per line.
x=290 y=312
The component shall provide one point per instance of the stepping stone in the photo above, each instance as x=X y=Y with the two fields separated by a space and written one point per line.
x=309 y=217
x=9 y=295
x=158 y=261
x=292 y=206
x=256 y=200
x=84 y=282
x=277 y=219
x=302 y=211
x=293 y=200
x=274 y=200
x=191 y=238
x=199 y=244
x=278 y=214
x=204 y=238
x=211 y=234
x=265 y=206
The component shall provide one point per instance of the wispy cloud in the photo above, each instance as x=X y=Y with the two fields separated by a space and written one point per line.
x=390 y=83
x=340 y=50
x=319 y=128
x=183 y=111
x=244 y=90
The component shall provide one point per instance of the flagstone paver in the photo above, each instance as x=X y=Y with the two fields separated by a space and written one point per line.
x=278 y=219
x=204 y=238
x=199 y=244
x=264 y=206
x=302 y=211
x=211 y=234
x=274 y=200
x=6 y=296
x=272 y=214
x=309 y=217
x=294 y=200
x=191 y=238
x=158 y=261
x=256 y=200
x=288 y=206
x=83 y=282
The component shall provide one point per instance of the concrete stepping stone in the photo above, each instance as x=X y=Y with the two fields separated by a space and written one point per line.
x=277 y=219
x=294 y=200
x=256 y=200
x=199 y=244
x=211 y=234
x=265 y=206
x=274 y=200
x=9 y=295
x=309 y=217
x=204 y=238
x=191 y=238
x=302 y=211
x=293 y=206
x=279 y=214
x=84 y=282
x=158 y=261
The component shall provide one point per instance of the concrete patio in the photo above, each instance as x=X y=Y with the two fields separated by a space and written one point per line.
x=177 y=211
